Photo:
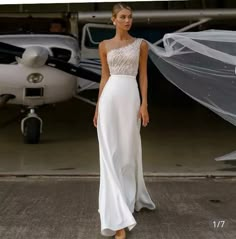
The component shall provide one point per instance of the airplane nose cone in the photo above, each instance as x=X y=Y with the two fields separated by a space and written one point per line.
x=34 y=56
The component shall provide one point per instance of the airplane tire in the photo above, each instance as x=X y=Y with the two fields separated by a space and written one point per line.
x=32 y=130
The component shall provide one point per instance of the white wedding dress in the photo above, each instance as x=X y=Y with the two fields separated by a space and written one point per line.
x=122 y=188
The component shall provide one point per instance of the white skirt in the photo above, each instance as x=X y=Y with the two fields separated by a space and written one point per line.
x=122 y=188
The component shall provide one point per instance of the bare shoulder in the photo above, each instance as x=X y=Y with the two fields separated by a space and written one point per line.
x=144 y=45
x=101 y=45
x=104 y=44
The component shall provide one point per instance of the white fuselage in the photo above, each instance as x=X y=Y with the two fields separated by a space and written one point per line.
x=55 y=86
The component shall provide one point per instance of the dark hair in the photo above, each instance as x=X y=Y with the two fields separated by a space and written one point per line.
x=59 y=21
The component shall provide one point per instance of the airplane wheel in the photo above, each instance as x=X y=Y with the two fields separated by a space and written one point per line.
x=32 y=130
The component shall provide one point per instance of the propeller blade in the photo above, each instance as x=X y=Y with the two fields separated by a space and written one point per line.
x=73 y=70
x=6 y=48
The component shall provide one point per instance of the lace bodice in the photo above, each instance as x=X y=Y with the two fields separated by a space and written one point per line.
x=125 y=60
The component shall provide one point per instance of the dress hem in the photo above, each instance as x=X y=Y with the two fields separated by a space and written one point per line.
x=112 y=230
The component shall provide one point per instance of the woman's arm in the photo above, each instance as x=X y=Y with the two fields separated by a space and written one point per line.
x=143 y=71
x=143 y=81
x=105 y=74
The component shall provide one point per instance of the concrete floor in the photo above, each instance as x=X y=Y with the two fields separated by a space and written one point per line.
x=66 y=208
x=179 y=141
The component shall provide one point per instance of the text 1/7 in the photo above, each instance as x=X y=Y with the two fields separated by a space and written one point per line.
x=218 y=224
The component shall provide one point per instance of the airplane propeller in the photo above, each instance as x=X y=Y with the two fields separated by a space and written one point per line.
x=11 y=49
x=48 y=60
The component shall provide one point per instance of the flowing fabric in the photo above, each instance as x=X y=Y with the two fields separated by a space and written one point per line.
x=202 y=65
x=122 y=188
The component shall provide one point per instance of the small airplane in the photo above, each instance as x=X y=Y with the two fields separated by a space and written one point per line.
x=39 y=69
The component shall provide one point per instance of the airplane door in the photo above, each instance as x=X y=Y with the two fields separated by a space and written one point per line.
x=92 y=35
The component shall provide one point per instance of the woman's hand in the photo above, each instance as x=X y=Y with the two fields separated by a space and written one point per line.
x=95 y=118
x=143 y=114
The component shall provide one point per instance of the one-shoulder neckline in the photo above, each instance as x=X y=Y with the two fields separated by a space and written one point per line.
x=123 y=46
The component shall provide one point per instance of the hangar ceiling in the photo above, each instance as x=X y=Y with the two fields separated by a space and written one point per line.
x=156 y=5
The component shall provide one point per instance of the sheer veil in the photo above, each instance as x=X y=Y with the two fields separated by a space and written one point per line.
x=202 y=65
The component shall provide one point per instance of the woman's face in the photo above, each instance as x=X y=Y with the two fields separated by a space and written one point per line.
x=124 y=19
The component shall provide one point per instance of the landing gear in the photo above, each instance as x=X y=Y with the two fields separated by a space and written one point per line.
x=31 y=127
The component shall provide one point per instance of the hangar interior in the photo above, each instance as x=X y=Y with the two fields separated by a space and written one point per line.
x=183 y=137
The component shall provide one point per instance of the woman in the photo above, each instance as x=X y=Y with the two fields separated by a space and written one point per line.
x=118 y=118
